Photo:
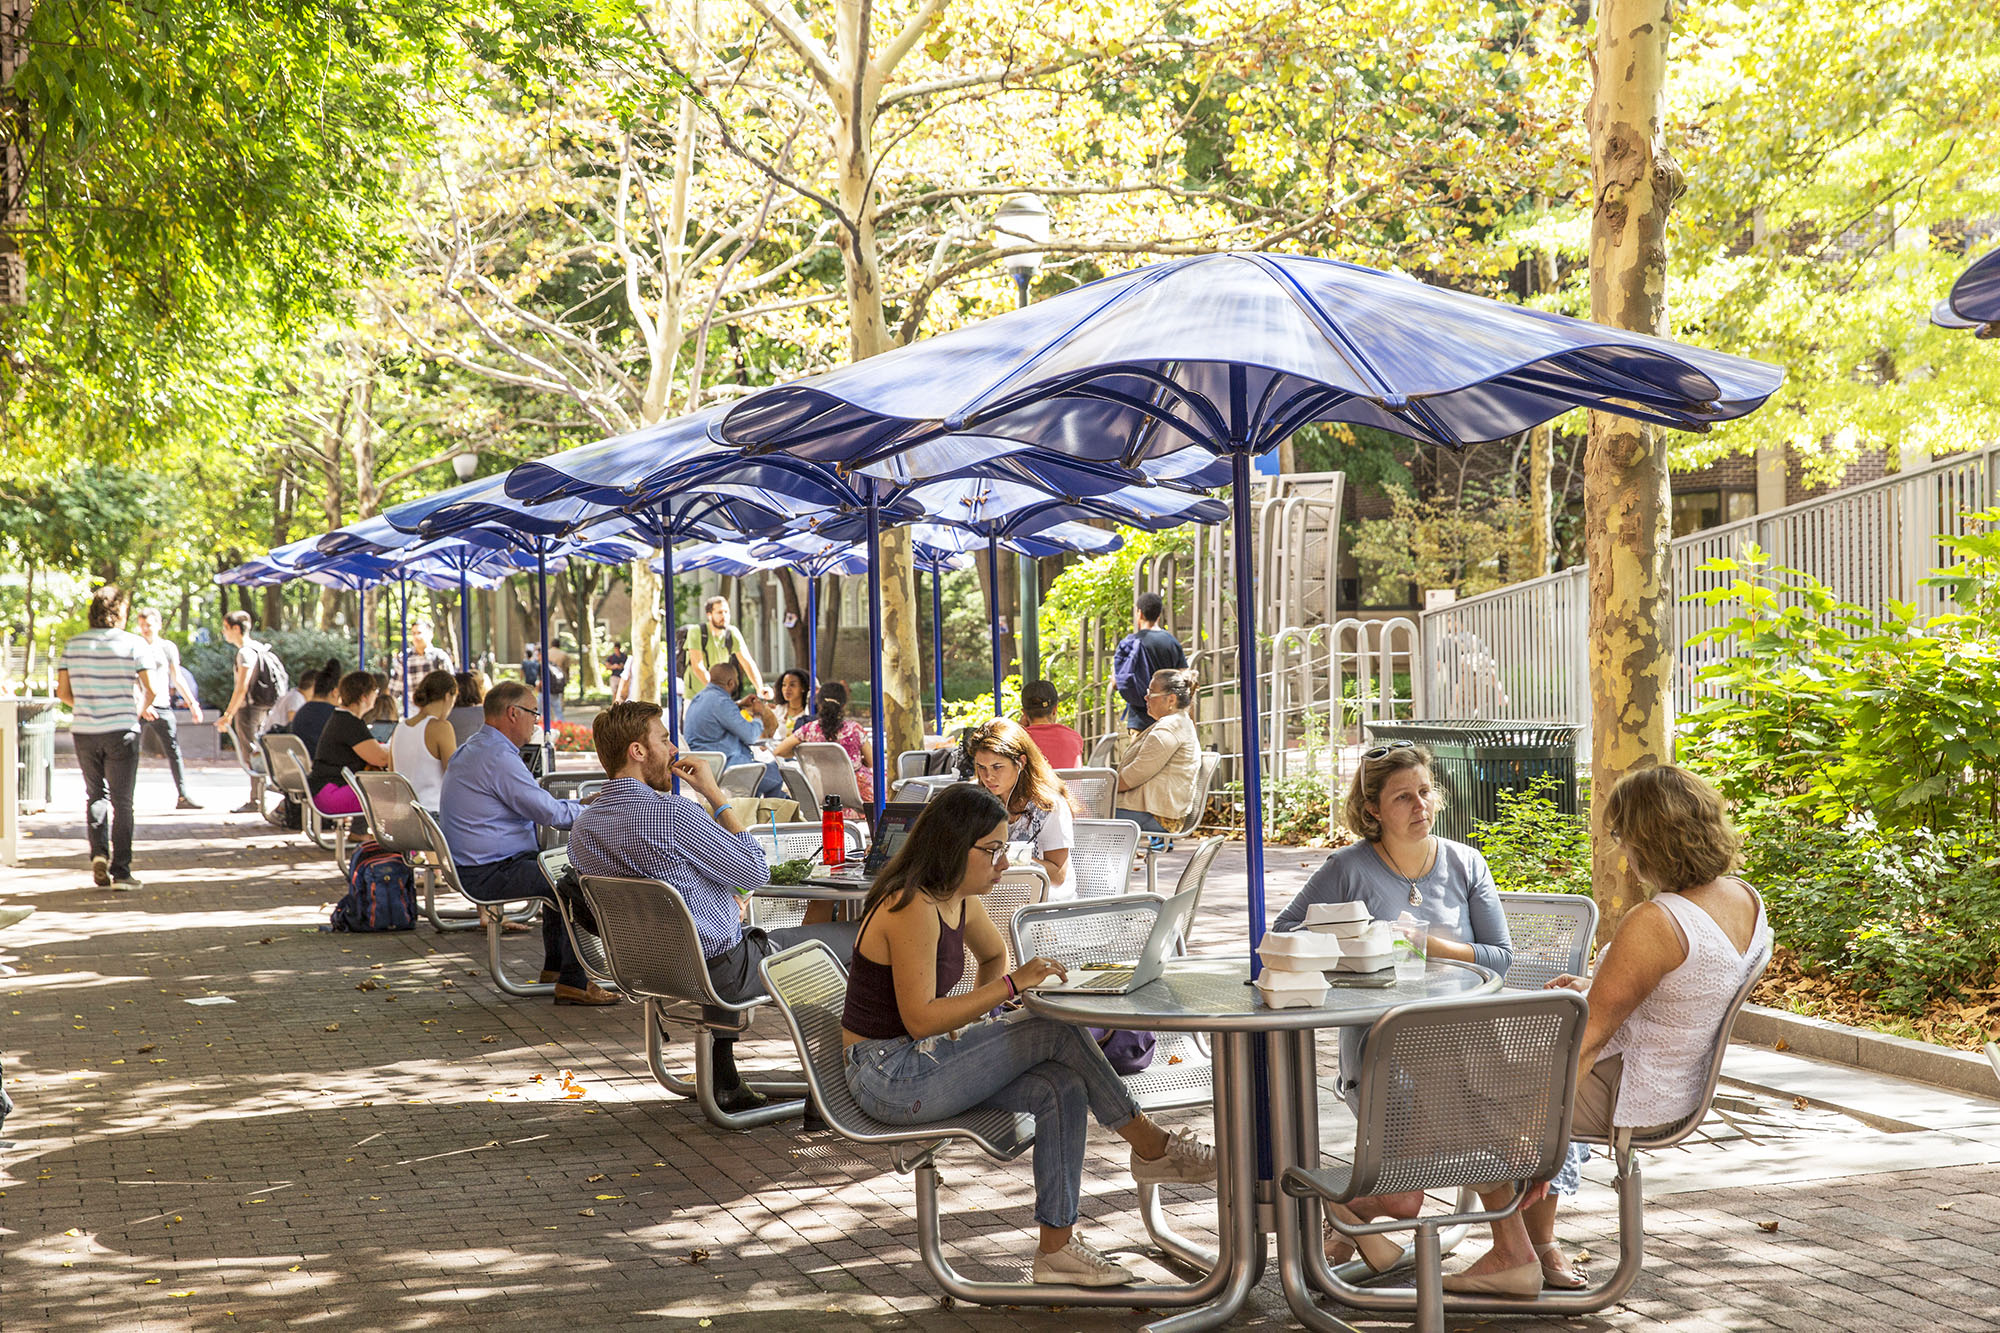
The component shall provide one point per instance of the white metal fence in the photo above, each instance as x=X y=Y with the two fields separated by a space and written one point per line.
x=1518 y=653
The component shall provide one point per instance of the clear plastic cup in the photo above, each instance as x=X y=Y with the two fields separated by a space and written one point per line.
x=1410 y=948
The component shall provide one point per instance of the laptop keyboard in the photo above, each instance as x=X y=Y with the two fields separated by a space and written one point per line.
x=1105 y=980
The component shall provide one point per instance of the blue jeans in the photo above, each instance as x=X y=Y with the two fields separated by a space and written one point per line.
x=109 y=762
x=1145 y=820
x=1038 y=1066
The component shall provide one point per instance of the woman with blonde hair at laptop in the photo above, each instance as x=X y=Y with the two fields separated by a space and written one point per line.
x=1040 y=809
x=916 y=1053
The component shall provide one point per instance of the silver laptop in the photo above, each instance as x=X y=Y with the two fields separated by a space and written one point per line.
x=1124 y=978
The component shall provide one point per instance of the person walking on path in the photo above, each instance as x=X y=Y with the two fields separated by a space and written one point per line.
x=109 y=679
x=260 y=683
x=1146 y=650
x=714 y=641
x=424 y=658
x=161 y=726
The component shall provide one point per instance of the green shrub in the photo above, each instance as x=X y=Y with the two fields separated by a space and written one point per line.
x=213 y=664
x=1533 y=847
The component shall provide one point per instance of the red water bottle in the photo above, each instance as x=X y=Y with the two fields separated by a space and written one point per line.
x=832 y=834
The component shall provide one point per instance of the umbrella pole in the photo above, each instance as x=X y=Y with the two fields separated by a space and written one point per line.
x=993 y=615
x=668 y=667
x=403 y=588
x=542 y=615
x=875 y=640
x=360 y=630
x=464 y=621
x=1253 y=781
x=812 y=636
x=937 y=645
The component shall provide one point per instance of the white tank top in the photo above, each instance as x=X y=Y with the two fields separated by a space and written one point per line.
x=1668 y=1039
x=413 y=759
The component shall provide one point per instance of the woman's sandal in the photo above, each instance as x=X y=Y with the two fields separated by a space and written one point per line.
x=1556 y=1271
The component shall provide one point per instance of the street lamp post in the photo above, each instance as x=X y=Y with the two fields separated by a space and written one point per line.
x=1020 y=227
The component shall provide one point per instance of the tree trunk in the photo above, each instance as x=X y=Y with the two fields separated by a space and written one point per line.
x=795 y=612
x=1541 y=502
x=1625 y=487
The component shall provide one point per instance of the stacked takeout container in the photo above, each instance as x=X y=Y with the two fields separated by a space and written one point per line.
x=1339 y=937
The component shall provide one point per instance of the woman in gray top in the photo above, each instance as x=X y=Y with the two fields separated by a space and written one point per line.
x=1398 y=867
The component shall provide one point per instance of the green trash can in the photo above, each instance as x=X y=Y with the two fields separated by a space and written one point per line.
x=36 y=733
x=1473 y=761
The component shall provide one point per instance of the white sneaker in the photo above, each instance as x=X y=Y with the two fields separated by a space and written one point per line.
x=127 y=884
x=1187 y=1161
x=1078 y=1265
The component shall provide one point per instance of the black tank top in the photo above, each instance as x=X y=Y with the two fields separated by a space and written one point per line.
x=871 y=986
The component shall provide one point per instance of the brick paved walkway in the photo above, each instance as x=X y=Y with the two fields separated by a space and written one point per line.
x=369 y=1136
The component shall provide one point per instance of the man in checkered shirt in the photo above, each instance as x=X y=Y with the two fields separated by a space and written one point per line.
x=637 y=828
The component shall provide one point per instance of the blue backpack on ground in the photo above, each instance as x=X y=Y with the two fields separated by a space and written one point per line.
x=381 y=892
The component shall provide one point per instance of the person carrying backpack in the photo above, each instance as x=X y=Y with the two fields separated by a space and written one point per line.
x=260 y=682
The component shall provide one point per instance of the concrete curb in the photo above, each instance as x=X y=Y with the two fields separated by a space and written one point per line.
x=1877 y=1052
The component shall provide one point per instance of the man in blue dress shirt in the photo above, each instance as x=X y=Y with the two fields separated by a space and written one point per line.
x=639 y=829
x=713 y=722
x=488 y=808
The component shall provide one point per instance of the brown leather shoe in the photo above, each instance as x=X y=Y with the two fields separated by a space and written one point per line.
x=588 y=995
x=549 y=976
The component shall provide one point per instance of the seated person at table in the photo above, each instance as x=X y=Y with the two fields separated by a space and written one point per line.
x=714 y=722
x=834 y=725
x=1060 y=744
x=488 y=807
x=469 y=714
x=321 y=691
x=346 y=742
x=916 y=1053
x=1040 y=809
x=638 y=828
x=1657 y=997
x=794 y=700
x=1399 y=867
x=423 y=742
x=1156 y=781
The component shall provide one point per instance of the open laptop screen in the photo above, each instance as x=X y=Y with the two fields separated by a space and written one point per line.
x=891 y=831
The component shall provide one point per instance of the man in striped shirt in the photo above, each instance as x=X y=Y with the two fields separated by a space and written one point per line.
x=108 y=679
x=639 y=829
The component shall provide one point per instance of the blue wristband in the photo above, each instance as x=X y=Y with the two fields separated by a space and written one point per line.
x=724 y=806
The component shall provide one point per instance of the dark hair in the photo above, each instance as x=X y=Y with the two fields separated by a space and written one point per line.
x=719 y=671
x=105 y=604
x=832 y=708
x=471 y=688
x=931 y=860
x=617 y=728
x=327 y=679
x=1673 y=827
x=434 y=686
x=1149 y=606
x=1039 y=699
x=805 y=684
x=356 y=686
x=238 y=620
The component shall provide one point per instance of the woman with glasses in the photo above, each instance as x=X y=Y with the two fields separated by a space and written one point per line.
x=1400 y=867
x=916 y=1053
x=1040 y=810
x=1156 y=781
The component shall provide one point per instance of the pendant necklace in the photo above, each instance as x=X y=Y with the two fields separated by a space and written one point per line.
x=1416 y=898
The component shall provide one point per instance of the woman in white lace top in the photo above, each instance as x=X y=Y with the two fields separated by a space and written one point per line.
x=1657 y=997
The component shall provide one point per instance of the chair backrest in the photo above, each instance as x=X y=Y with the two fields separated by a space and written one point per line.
x=713 y=758
x=286 y=762
x=435 y=848
x=914 y=791
x=1100 y=861
x=1679 y=1131
x=1552 y=934
x=1104 y=754
x=799 y=785
x=1092 y=930
x=1019 y=887
x=589 y=947
x=1473 y=1091
x=389 y=802
x=553 y=862
x=1198 y=808
x=650 y=943
x=1194 y=875
x=1096 y=788
x=912 y=763
x=831 y=772
x=741 y=779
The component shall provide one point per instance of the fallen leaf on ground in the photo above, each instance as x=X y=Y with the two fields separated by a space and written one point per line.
x=182 y=1294
x=697 y=1256
x=1782 y=1045
x=152 y=1282
x=1945 y=1206
x=588 y=1179
x=1800 y=1103
x=74 y=1232
x=331 y=1027
x=586 y=1212
x=605 y=1197
x=487 y=1041
x=1767 y=1226
x=147 y=1047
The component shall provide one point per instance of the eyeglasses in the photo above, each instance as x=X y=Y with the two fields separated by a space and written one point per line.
x=997 y=850
x=532 y=712
x=1385 y=749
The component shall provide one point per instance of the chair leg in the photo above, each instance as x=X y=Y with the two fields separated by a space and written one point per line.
x=494 y=965
x=1177 y=1247
x=656 y=1053
x=704 y=1085
x=444 y=921
x=1430 y=1281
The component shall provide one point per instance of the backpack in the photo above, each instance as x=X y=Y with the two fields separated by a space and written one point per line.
x=268 y=681
x=381 y=892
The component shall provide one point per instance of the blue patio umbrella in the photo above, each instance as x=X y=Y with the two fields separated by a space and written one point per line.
x=1974 y=300
x=1233 y=353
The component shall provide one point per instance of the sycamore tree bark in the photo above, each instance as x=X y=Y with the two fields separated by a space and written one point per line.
x=1625 y=492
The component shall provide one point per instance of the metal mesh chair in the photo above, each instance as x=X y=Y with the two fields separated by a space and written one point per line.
x=1100 y=861
x=587 y=945
x=286 y=758
x=1104 y=754
x=713 y=758
x=1197 y=810
x=438 y=852
x=799 y=785
x=1454 y=1094
x=912 y=763
x=1096 y=788
x=1552 y=933
x=655 y=955
x=831 y=772
x=1194 y=875
x=387 y=802
x=741 y=779
x=915 y=790
x=1019 y=887
x=785 y=842
x=810 y=990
